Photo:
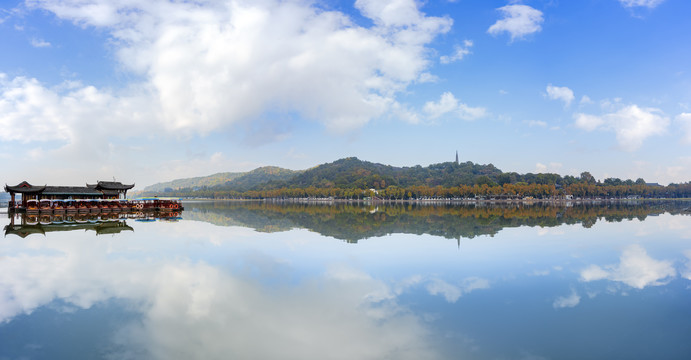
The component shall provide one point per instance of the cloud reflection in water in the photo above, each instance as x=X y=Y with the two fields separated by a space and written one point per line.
x=192 y=309
x=636 y=269
x=207 y=291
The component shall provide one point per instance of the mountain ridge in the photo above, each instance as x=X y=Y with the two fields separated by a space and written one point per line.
x=351 y=177
x=349 y=172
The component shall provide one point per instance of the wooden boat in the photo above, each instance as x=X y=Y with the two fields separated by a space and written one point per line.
x=114 y=206
x=58 y=206
x=70 y=206
x=103 y=205
x=45 y=206
x=94 y=208
x=125 y=205
x=32 y=206
x=82 y=206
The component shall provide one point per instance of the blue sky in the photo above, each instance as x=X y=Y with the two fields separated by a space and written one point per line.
x=152 y=91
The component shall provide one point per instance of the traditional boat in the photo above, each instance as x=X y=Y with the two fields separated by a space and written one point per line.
x=58 y=207
x=45 y=206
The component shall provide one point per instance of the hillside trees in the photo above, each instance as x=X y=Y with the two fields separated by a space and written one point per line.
x=350 y=178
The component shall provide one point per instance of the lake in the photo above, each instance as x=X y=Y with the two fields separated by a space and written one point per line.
x=297 y=281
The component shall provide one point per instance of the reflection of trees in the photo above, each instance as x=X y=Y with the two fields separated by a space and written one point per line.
x=354 y=222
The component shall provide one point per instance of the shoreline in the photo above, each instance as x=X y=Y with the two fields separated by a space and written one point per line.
x=435 y=201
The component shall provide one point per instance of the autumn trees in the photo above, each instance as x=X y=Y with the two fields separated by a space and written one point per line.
x=352 y=179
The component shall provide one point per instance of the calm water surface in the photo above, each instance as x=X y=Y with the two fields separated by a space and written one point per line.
x=262 y=281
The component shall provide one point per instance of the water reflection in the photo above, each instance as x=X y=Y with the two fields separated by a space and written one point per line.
x=354 y=222
x=193 y=289
x=24 y=225
x=636 y=269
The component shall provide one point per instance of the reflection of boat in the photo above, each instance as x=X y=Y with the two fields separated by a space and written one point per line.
x=102 y=223
x=31 y=219
x=125 y=205
x=101 y=228
x=172 y=218
x=81 y=219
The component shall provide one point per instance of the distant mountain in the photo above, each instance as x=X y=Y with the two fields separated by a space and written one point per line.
x=195 y=182
x=241 y=181
x=259 y=177
x=348 y=173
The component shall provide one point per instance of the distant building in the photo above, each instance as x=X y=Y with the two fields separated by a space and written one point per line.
x=457 y=157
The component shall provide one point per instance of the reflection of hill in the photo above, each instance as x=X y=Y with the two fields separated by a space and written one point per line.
x=353 y=222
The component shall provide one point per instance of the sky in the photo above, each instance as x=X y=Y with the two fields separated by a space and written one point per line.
x=151 y=91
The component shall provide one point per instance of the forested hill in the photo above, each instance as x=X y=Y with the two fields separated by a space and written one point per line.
x=354 y=173
x=348 y=173
x=351 y=177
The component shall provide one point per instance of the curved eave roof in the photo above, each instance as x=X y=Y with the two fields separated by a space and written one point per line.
x=25 y=188
x=71 y=191
x=111 y=185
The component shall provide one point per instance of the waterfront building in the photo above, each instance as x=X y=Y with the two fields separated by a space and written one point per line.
x=100 y=190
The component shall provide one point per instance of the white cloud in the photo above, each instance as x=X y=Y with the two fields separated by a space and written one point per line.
x=207 y=64
x=686 y=273
x=539 y=123
x=40 y=43
x=30 y=111
x=427 y=78
x=641 y=3
x=4 y=15
x=553 y=167
x=439 y=287
x=448 y=104
x=585 y=99
x=519 y=21
x=474 y=283
x=459 y=54
x=588 y=122
x=684 y=121
x=635 y=269
x=560 y=93
x=631 y=124
x=567 y=301
x=453 y=292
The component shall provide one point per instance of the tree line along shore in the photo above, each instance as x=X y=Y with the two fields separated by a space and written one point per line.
x=354 y=179
x=579 y=191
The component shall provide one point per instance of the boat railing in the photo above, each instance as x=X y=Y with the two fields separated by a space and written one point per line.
x=99 y=205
